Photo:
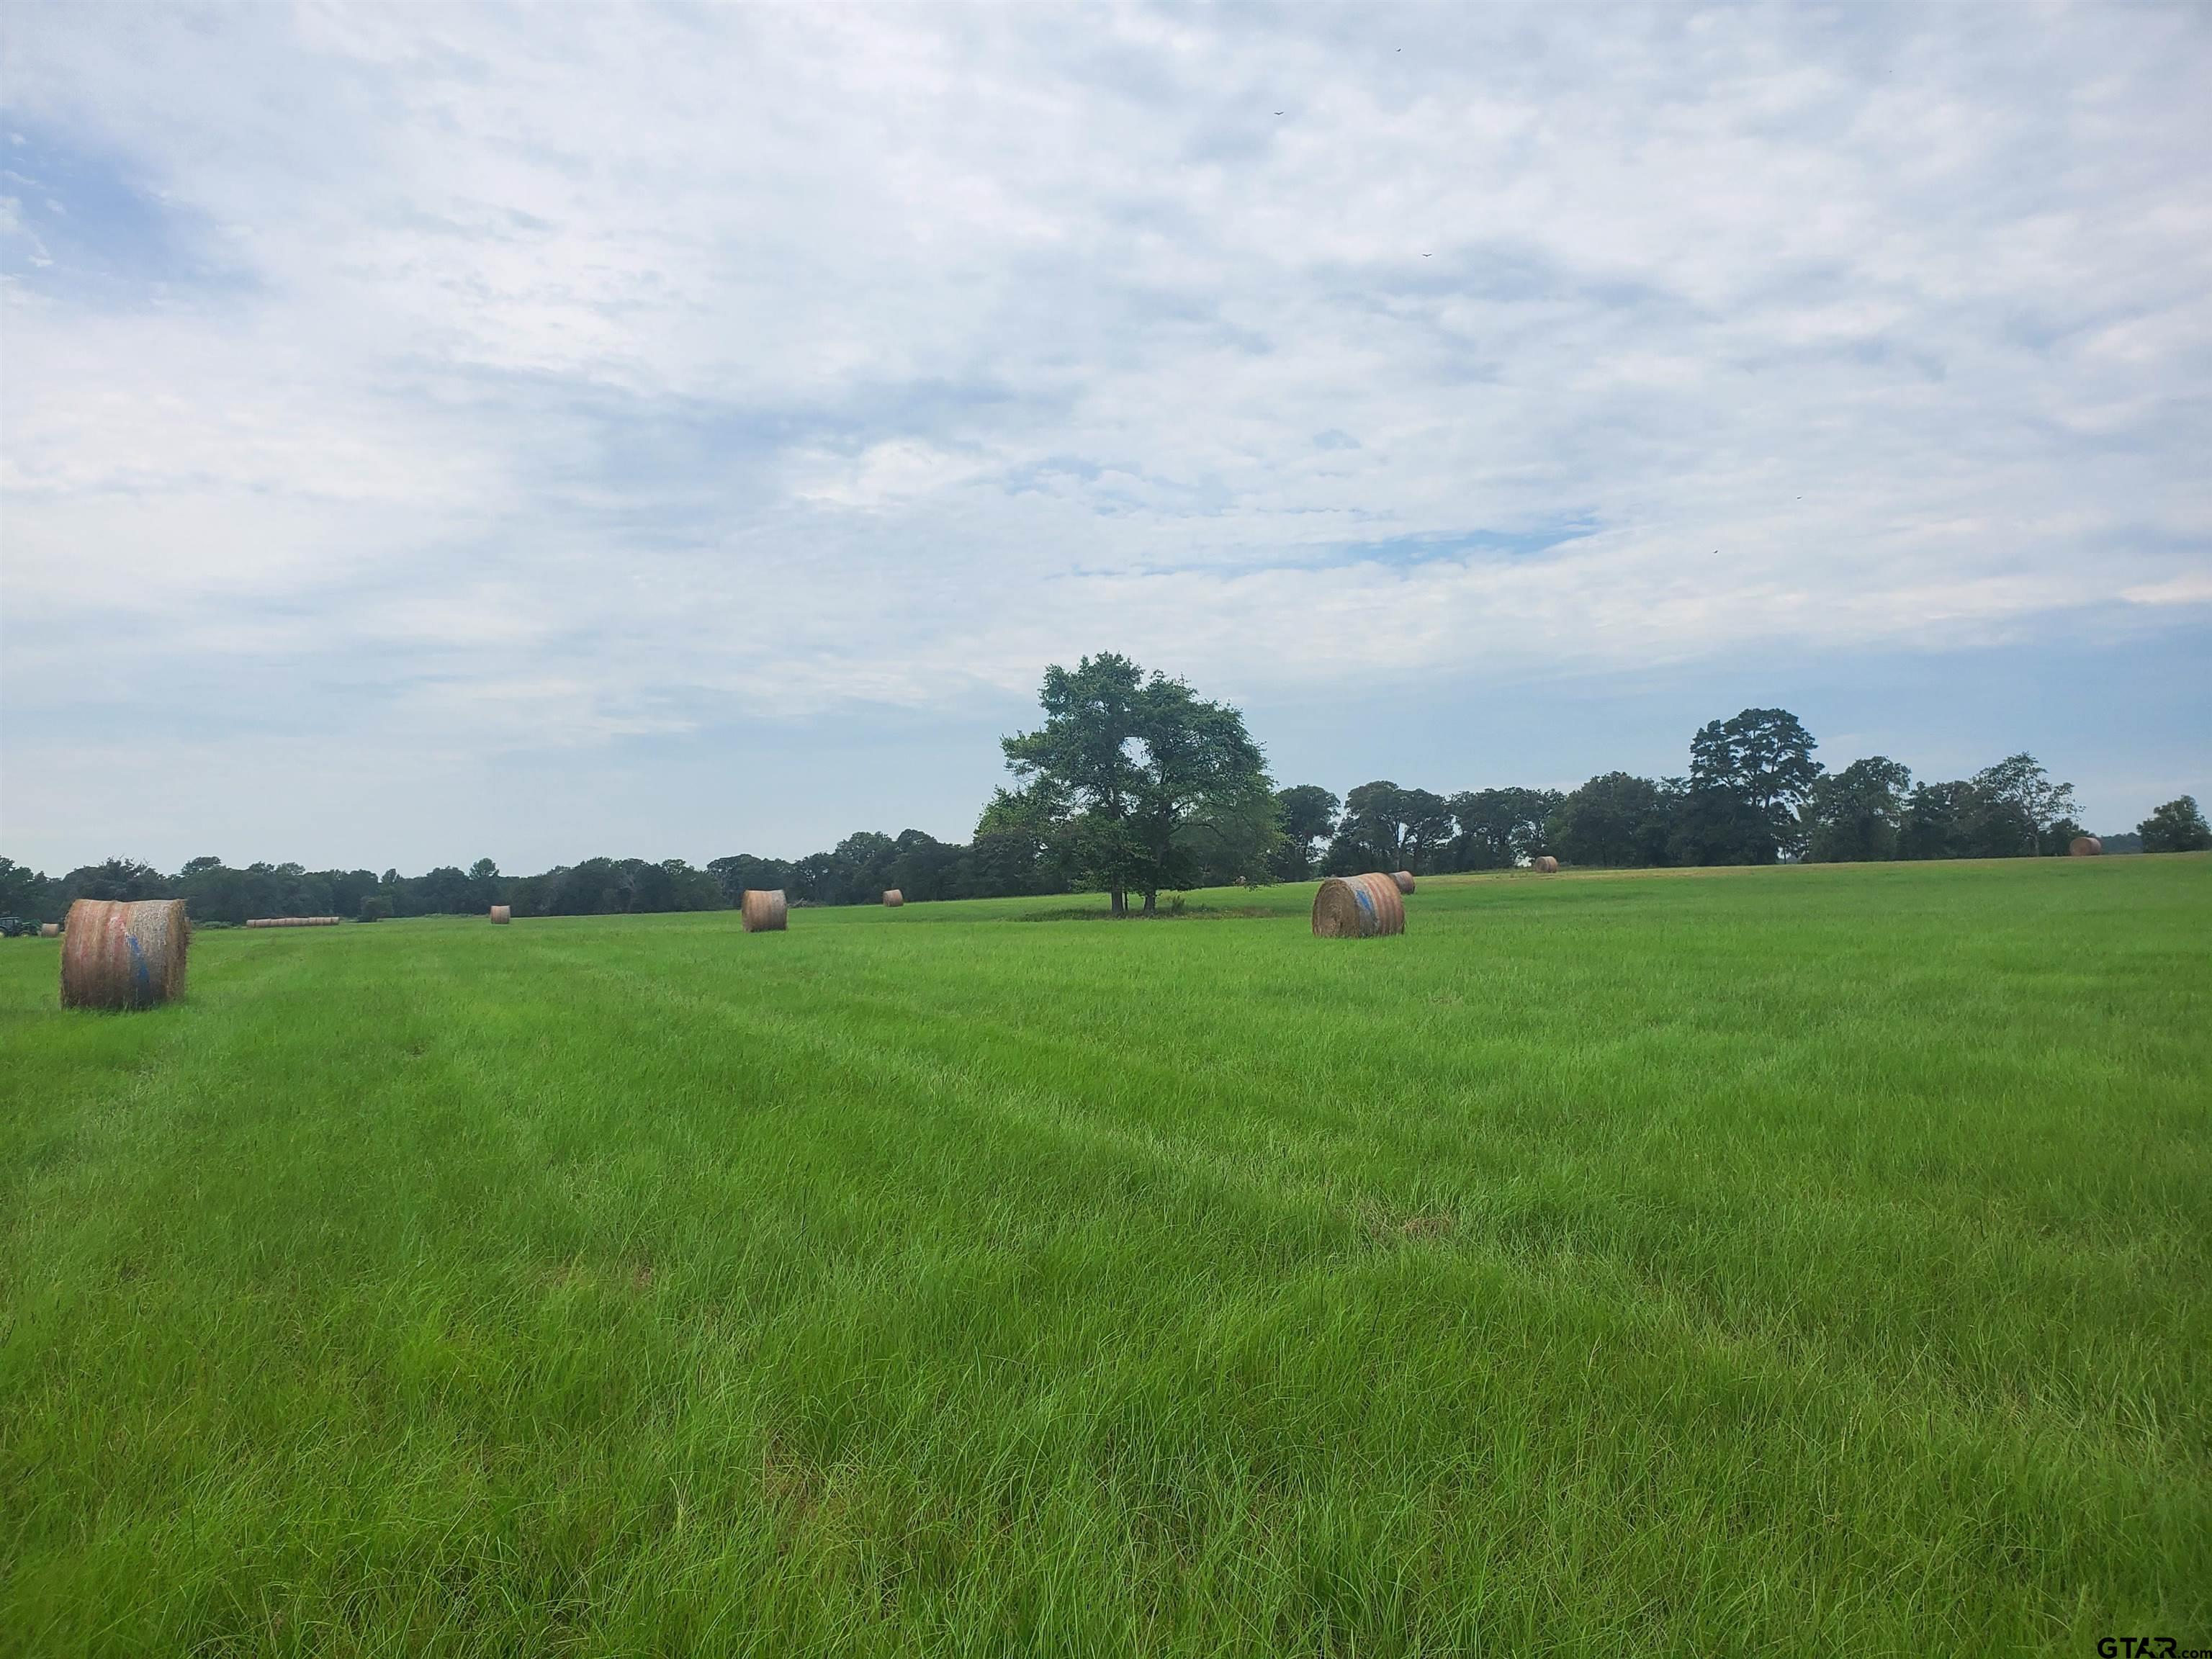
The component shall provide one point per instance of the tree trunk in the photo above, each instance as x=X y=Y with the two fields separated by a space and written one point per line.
x=1151 y=904
x=1121 y=902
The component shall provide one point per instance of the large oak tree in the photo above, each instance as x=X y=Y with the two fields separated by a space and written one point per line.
x=1144 y=785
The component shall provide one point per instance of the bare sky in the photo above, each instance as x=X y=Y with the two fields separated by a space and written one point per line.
x=436 y=433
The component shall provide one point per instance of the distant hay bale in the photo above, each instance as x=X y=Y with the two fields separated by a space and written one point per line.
x=1545 y=866
x=2086 y=847
x=1358 y=907
x=50 y=930
x=893 y=898
x=503 y=914
x=293 y=922
x=119 y=955
x=764 y=910
x=1404 y=878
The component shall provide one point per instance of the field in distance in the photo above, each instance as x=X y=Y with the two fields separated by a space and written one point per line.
x=1793 y=1260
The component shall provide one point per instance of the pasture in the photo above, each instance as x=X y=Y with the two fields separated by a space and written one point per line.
x=1780 y=1262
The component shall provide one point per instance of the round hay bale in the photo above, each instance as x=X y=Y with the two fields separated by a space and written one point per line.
x=1404 y=878
x=1358 y=907
x=764 y=910
x=2085 y=847
x=50 y=930
x=119 y=955
x=893 y=898
x=503 y=914
x=1545 y=866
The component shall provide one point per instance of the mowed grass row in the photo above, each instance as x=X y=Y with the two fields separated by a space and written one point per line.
x=1785 y=1261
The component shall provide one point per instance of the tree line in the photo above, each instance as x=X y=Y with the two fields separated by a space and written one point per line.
x=1753 y=794
x=1134 y=785
x=857 y=870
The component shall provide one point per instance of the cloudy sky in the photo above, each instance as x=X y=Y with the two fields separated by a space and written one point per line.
x=433 y=434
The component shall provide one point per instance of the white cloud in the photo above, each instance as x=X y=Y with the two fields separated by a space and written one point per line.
x=556 y=376
x=2194 y=588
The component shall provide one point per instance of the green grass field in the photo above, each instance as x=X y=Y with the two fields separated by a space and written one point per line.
x=1788 y=1262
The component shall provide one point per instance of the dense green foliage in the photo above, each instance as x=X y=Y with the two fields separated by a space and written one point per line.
x=1498 y=829
x=1616 y=821
x=1135 y=784
x=1856 y=815
x=1305 y=816
x=1754 y=795
x=1786 y=1261
x=215 y=893
x=1002 y=861
x=2010 y=809
x=2177 y=826
x=1387 y=828
x=1749 y=778
x=855 y=873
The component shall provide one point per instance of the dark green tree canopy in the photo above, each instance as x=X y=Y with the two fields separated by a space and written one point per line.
x=742 y=871
x=1389 y=828
x=2019 y=807
x=1939 y=820
x=2011 y=810
x=1617 y=821
x=1500 y=828
x=122 y=878
x=1306 y=814
x=2176 y=827
x=23 y=891
x=1144 y=784
x=1749 y=777
x=1857 y=815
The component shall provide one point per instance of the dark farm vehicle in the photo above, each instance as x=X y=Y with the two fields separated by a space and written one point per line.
x=15 y=928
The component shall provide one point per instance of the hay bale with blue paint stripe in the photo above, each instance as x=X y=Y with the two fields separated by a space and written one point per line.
x=119 y=955
x=1358 y=907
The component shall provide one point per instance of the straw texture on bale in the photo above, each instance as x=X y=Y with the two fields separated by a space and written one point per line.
x=118 y=955
x=893 y=898
x=293 y=922
x=764 y=910
x=1358 y=907
x=50 y=930
x=1404 y=878
x=2086 y=847
x=501 y=913
x=1547 y=865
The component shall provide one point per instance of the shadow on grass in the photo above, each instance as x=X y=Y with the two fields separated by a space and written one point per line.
x=1165 y=912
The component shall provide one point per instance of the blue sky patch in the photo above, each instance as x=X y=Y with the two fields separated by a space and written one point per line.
x=83 y=227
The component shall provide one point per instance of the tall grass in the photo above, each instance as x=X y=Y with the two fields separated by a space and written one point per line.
x=1783 y=1261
